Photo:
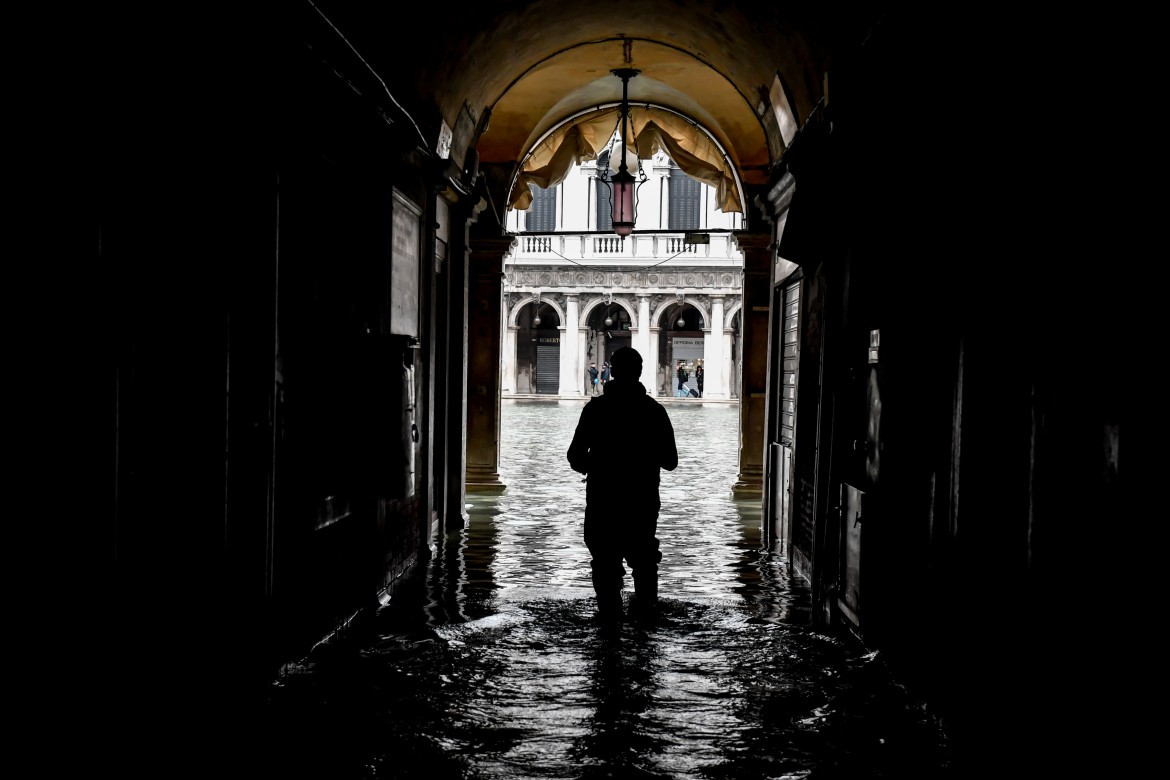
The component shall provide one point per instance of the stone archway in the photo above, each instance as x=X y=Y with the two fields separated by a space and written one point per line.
x=681 y=323
x=532 y=348
x=609 y=323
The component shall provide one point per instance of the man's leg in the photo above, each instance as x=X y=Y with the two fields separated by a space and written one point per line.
x=607 y=569
x=643 y=558
x=646 y=589
x=607 y=584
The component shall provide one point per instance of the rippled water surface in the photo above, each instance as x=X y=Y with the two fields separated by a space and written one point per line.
x=491 y=664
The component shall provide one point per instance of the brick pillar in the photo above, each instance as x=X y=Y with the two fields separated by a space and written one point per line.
x=485 y=323
x=757 y=257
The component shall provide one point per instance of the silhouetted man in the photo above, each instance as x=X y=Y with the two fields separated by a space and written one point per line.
x=623 y=438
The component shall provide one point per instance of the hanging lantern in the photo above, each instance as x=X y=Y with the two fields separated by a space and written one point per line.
x=622 y=182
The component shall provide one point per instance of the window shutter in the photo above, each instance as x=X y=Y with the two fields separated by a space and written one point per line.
x=604 y=194
x=685 y=199
x=542 y=214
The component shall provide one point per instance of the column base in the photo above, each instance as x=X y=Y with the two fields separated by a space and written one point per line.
x=750 y=484
x=747 y=490
x=484 y=482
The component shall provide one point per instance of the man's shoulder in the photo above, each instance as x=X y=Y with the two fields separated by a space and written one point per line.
x=653 y=403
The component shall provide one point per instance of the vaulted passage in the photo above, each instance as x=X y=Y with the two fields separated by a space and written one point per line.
x=303 y=281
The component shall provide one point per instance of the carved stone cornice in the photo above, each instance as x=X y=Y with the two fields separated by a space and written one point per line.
x=696 y=277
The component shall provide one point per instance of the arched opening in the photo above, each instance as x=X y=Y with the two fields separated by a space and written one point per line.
x=609 y=330
x=538 y=350
x=681 y=339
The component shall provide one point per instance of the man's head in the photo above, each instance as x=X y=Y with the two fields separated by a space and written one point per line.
x=626 y=364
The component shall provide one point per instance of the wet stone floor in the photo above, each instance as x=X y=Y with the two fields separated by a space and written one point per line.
x=489 y=662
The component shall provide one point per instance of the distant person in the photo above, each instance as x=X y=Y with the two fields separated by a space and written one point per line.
x=593 y=373
x=606 y=373
x=623 y=438
x=699 y=378
x=683 y=376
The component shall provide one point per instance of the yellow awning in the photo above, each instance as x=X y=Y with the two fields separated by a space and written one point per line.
x=648 y=131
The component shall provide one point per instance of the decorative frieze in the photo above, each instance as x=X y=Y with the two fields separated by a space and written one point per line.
x=577 y=279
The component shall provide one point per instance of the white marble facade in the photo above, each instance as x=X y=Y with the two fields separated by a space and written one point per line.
x=643 y=283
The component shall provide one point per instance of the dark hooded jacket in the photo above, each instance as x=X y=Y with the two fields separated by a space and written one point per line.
x=623 y=438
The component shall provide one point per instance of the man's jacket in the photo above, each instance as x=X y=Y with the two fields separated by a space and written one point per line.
x=623 y=438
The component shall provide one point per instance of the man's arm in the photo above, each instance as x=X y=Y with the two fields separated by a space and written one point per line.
x=668 y=455
x=579 y=448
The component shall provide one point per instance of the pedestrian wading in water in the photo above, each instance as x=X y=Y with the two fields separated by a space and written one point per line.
x=623 y=439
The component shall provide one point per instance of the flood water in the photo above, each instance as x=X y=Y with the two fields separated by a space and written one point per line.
x=490 y=663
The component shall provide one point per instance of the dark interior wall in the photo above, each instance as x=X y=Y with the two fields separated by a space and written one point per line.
x=233 y=231
x=900 y=271
x=171 y=310
x=343 y=357
x=987 y=480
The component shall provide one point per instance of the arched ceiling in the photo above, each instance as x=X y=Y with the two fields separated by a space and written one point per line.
x=521 y=67
x=573 y=80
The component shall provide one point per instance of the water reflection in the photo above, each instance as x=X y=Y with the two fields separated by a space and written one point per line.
x=490 y=662
x=710 y=542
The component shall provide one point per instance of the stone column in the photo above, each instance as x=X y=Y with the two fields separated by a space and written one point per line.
x=571 y=381
x=664 y=195
x=641 y=342
x=650 y=364
x=728 y=362
x=485 y=329
x=508 y=360
x=714 y=357
x=451 y=433
x=582 y=339
x=757 y=256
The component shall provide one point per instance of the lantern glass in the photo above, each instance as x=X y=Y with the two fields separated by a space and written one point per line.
x=623 y=203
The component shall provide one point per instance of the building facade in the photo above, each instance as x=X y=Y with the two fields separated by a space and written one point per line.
x=575 y=292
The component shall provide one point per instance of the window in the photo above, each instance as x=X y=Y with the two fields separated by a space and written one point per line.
x=604 y=193
x=685 y=200
x=542 y=214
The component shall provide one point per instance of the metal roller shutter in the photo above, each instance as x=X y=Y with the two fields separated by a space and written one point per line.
x=548 y=368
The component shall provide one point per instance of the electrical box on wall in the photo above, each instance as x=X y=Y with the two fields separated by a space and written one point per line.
x=875 y=342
